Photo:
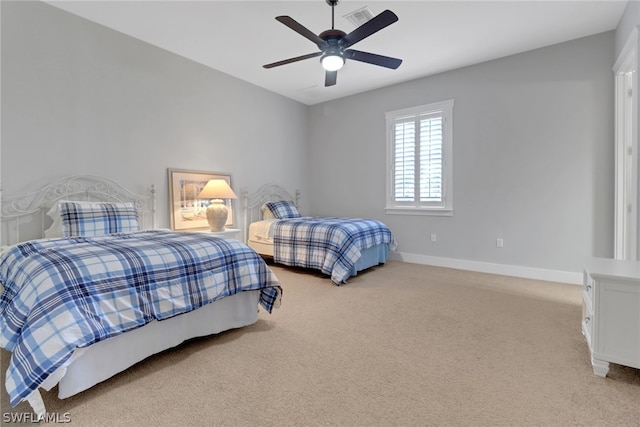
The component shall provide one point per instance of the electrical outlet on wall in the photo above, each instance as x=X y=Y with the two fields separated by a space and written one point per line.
x=434 y=238
x=499 y=242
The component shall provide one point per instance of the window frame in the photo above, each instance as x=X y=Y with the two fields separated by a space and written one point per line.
x=445 y=206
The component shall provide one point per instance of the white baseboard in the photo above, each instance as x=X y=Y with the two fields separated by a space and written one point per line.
x=574 y=278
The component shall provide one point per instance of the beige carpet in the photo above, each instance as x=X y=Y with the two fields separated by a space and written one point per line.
x=400 y=345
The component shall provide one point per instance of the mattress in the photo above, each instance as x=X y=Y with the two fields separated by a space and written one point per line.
x=259 y=238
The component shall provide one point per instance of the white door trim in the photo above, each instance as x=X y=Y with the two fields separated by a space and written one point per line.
x=626 y=150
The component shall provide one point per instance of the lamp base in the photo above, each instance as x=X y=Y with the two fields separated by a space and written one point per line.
x=217 y=213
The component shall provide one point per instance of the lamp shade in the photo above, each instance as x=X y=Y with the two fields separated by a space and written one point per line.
x=217 y=189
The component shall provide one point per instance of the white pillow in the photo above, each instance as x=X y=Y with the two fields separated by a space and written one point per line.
x=266 y=212
x=55 y=230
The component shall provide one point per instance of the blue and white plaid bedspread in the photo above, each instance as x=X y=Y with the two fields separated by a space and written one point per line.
x=60 y=294
x=331 y=245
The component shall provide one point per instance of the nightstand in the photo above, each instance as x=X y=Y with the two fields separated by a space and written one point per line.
x=227 y=233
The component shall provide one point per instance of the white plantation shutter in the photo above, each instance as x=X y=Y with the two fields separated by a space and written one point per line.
x=431 y=158
x=419 y=143
x=404 y=161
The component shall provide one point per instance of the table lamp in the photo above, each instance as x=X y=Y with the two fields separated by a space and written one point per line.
x=217 y=212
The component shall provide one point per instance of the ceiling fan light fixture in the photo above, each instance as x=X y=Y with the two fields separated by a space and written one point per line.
x=332 y=62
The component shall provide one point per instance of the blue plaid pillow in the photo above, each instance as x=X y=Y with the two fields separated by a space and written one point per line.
x=97 y=218
x=283 y=209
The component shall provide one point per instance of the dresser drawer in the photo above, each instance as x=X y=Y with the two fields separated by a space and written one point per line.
x=587 y=320
x=588 y=286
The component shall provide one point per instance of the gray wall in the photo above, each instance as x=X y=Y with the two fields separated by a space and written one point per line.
x=629 y=20
x=79 y=98
x=533 y=137
x=533 y=158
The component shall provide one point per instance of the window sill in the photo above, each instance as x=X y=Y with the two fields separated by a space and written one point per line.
x=419 y=211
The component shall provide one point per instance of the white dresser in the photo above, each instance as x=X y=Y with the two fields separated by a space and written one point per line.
x=611 y=313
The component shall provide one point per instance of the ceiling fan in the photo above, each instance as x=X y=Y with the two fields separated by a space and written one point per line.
x=334 y=44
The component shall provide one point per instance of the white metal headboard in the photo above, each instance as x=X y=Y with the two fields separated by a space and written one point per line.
x=25 y=215
x=252 y=203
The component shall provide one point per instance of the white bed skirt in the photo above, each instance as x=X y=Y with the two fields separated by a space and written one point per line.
x=91 y=365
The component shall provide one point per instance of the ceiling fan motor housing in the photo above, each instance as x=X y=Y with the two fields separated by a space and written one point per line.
x=332 y=35
x=333 y=38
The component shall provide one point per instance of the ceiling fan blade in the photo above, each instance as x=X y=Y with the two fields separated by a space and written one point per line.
x=290 y=60
x=302 y=30
x=330 y=78
x=372 y=58
x=374 y=25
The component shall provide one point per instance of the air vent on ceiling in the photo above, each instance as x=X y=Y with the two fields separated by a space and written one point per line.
x=360 y=16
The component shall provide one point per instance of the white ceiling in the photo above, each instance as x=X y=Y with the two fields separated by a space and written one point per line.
x=238 y=37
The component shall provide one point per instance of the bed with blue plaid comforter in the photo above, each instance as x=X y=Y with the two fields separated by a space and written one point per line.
x=331 y=245
x=60 y=294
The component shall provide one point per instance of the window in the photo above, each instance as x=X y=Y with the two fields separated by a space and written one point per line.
x=419 y=160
